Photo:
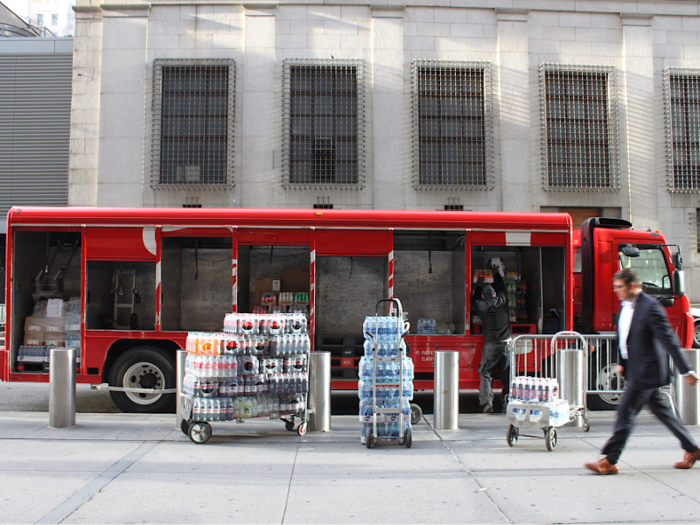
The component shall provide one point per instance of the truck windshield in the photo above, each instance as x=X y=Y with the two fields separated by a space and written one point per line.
x=652 y=268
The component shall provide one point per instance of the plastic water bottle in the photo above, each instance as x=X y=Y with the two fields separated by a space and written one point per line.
x=369 y=326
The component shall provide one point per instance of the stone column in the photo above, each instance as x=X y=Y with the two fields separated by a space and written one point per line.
x=121 y=146
x=643 y=181
x=514 y=175
x=388 y=161
x=85 y=107
x=258 y=176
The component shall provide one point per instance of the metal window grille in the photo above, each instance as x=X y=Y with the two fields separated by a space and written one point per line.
x=452 y=125
x=323 y=144
x=323 y=207
x=682 y=116
x=192 y=136
x=694 y=224
x=454 y=207
x=580 y=144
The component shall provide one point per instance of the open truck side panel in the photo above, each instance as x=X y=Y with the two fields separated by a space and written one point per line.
x=139 y=279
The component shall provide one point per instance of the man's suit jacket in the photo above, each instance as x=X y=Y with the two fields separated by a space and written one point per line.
x=649 y=342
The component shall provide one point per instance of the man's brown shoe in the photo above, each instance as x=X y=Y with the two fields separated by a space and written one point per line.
x=688 y=460
x=603 y=466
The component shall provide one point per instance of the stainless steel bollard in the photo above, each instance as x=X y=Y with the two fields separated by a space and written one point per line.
x=320 y=391
x=180 y=359
x=688 y=397
x=571 y=376
x=446 y=396
x=62 y=388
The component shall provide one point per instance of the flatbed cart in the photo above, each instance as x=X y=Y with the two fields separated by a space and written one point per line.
x=534 y=409
x=397 y=329
x=258 y=367
x=200 y=431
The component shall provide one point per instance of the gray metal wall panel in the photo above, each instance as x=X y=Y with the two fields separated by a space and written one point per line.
x=35 y=98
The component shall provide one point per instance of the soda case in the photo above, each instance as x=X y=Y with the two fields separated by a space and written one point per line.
x=257 y=367
x=535 y=403
x=385 y=379
x=534 y=389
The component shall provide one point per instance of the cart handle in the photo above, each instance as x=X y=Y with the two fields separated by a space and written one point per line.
x=399 y=308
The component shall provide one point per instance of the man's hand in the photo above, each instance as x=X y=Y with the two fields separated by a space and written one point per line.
x=691 y=379
x=620 y=370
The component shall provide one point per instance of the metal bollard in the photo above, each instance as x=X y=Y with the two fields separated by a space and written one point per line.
x=446 y=396
x=320 y=391
x=571 y=375
x=180 y=359
x=688 y=397
x=62 y=388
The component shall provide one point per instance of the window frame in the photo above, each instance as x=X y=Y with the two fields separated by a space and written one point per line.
x=612 y=128
x=288 y=181
x=156 y=181
x=672 y=182
x=418 y=65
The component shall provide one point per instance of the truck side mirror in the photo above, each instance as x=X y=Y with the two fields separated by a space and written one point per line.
x=677 y=259
x=678 y=283
x=630 y=251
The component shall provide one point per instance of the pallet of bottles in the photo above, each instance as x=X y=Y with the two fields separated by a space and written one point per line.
x=256 y=367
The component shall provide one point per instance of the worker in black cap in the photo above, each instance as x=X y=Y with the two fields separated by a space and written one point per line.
x=493 y=310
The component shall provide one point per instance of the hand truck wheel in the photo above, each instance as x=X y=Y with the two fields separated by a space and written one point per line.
x=416 y=414
x=550 y=437
x=512 y=435
x=408 y=438
x=185 y=427
x=303 y=427
x=369 y=438
x=200 y=432
x=289 y=425
x=586 y=426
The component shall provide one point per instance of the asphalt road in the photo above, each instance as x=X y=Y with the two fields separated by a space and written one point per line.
x=34 y=397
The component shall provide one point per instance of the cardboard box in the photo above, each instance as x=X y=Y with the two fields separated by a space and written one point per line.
x=34 y=338
x=263 y=286
x=34 y=324
x=294 y=280
x=54 y=324
x=54 y=338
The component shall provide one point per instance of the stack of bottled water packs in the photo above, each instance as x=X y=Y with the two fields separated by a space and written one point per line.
x=257 y=367
x=391 y=384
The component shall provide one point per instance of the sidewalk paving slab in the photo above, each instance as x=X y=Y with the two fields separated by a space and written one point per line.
x=129 y=468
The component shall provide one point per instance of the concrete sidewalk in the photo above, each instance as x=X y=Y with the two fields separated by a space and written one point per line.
x=122 y=468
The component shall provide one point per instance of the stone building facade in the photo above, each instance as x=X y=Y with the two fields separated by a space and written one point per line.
x=531 y=105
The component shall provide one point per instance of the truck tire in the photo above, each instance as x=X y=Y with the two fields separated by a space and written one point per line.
x=143 y=367
x=606 y=378
x=696 y=335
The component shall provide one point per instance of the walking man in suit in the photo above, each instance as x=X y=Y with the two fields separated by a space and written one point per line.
x=642 y=323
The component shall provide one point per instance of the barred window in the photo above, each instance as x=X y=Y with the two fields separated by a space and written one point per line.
x=192 y=139
x=452 y=125
x=682 y=101
x=323 y=136
x=579 y=128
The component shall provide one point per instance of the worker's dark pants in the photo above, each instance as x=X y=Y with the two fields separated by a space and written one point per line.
x=494 y=365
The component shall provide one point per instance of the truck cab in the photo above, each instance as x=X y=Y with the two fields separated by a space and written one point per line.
x=602 y=247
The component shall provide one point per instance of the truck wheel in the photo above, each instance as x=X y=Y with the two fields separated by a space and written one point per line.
x=696 y=335
x=143 y=367
x=605 y=379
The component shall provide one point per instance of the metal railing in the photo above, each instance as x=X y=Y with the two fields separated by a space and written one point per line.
x=604 y=379
x=537 y=356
